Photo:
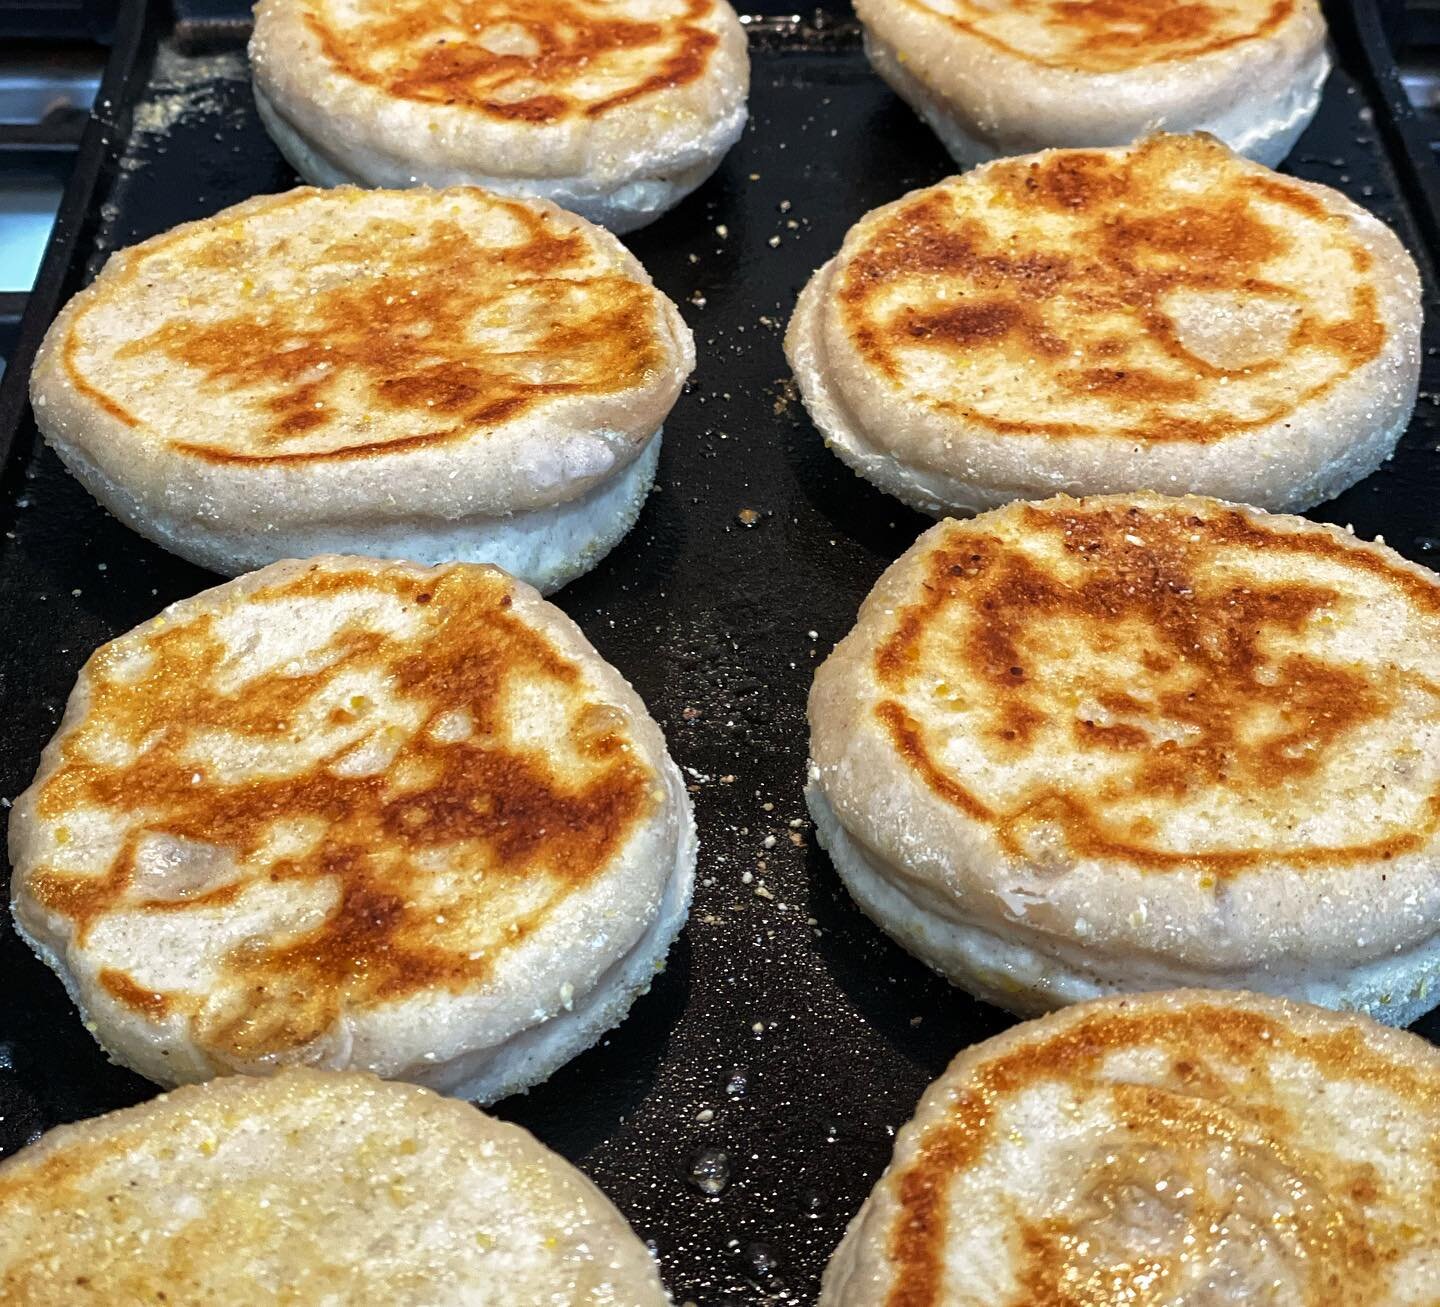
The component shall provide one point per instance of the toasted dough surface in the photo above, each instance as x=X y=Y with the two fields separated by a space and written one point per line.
x=615 y=110
x=1143 y=741
x=354 y=814
x=998 y=79
x=318 y=365
x=1187 y=1147
x=405 y=320
x=1163 y=316
x=309 y=1189
x=1116 y=35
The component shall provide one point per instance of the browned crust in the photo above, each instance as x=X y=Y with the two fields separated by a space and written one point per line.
x=397 y=330
x=1107 y=36
x=1124 y=244
x=1346 y=1255
x=508 y=807
x=569 y=37
x=1204 y=647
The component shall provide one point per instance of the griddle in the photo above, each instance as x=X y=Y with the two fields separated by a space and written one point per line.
x=743 y=1110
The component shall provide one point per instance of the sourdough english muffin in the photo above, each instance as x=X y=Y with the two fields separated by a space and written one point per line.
x=354 y=814
x=1197 y=1148
x=1166 y=317
x=1005 y=78
x=616 y=109
x=419 y=374
x=312 y=1190
x=1131 y=743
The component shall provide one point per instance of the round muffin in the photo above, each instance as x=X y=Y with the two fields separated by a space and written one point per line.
x=615 y=109
x=354 y=814
x=1165 y=317
x=430 y=375
x=996 y=79
x=312 y=1190
x=1130 y=743
x=1189 y=1147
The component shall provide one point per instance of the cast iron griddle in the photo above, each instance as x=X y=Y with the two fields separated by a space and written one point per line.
x=787 y=1034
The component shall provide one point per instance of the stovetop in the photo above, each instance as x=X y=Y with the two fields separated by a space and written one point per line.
x=46 y=90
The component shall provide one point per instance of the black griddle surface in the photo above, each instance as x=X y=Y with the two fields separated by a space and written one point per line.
x=787 y=1032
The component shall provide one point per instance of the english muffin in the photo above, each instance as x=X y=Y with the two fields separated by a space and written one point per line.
x=1165 y=317
x=1133 y=743
x=354 y=814
x=1197 y=1148
x=1006 y=78
x=615 y=109
x=312 y=1190
x=431 y=375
